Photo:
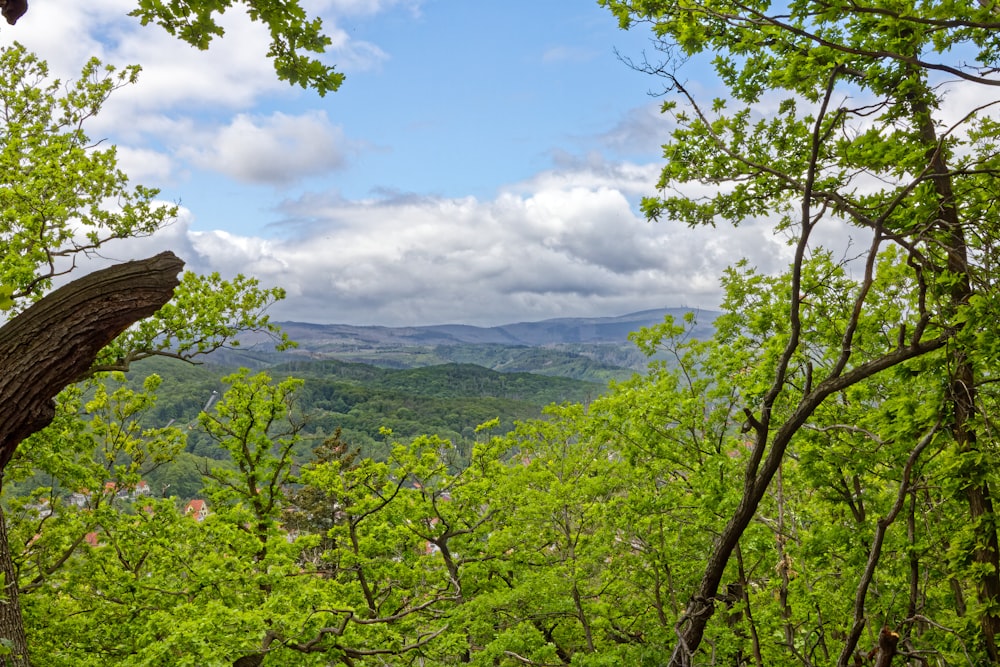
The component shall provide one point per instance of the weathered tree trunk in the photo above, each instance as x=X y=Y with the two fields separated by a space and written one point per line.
x=888 y=643
x=49 y=346
x=11 y=623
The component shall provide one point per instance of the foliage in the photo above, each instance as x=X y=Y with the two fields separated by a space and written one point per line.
x=64 y=199
x=840 y=114
x=206 y=313
x=571 y=540
x=815 y=478
x=48 y=220
x=167 y=588
x=292 y=33
x=360 y=400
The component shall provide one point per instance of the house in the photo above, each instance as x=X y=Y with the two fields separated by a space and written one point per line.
x=112 y=490
x=197 y=508
x=80 y=498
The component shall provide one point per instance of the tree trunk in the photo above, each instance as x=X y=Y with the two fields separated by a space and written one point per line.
x=11 y=624
x=691 y=626
x=888 y=642
x=962 y=389
x=49 y=346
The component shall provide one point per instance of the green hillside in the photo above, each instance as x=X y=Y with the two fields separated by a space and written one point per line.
x=448 y=400
x=591 y=363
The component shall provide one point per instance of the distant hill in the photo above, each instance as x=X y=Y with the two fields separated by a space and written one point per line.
x=567 y=330
x=593 y=349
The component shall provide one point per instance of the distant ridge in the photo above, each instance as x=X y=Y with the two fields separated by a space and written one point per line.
x=594 y=349
x=558 y=331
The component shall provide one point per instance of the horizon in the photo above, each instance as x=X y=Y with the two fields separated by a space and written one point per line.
x=502 y=324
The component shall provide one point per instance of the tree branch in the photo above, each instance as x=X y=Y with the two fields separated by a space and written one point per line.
x=54 y=342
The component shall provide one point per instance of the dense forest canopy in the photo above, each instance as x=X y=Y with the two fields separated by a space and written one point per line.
x=812 y=485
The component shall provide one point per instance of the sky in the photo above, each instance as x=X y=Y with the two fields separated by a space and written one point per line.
x=482 y=163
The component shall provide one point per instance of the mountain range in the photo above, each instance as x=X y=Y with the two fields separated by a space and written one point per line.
x=592 y=348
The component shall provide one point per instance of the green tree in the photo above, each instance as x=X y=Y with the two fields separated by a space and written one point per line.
x=152 y=586
x=862 y=132
x=65 y=198
x=313 y=510
x=561 y=485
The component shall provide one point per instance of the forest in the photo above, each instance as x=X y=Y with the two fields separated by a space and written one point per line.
x=362 y=403
x=811 y=485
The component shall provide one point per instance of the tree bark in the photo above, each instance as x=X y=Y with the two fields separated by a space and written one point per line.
x=49 y=346
x=888 y=642
x=11 y=623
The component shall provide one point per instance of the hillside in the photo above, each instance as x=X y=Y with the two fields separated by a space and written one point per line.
x=590 y=349
x=443 y=380
x=448 y=400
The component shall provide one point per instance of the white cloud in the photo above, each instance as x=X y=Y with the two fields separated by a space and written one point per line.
x=175 y=74
x=145 y=165
x=277 y=150
x=567 y=241
x=561 y=244
x=183 y=94
x=66 y=33
x=593 y=171
x=553 y=251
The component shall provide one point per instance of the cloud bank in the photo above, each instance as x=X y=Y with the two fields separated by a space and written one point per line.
x=556 y=246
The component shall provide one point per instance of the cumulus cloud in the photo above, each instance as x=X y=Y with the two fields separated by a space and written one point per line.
x=592 y=171
x=145 y=165
x=568 y=241
x=557 y=250
x=175 y=75
x=276 y=150
x=545 y=248
x=183 y=93
x=66 y=33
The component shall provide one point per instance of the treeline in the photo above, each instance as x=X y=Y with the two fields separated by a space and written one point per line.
x=599 y=363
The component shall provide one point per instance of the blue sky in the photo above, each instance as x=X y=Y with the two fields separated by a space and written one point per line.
x=482 y=163
x=460 y=99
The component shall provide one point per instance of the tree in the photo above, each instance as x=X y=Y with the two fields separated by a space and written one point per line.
x=64 y=199
x=254 y=423
x=153 y=586
x=863 y=134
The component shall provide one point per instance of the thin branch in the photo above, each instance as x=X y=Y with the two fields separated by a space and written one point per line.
x=875 y=552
